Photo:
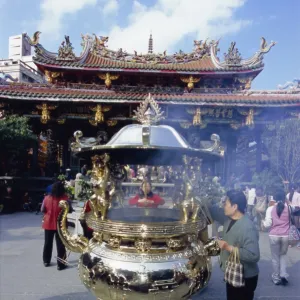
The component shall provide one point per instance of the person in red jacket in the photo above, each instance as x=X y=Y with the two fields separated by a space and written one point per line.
x=146 y=198
x=51 y=210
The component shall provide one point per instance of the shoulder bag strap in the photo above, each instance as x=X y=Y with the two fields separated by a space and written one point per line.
x=292 y=222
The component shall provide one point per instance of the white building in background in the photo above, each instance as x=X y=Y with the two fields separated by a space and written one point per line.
x=19 y=65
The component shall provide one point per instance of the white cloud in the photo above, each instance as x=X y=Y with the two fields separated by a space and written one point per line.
x=172 y=20
x=110 y=8
x=53 y=11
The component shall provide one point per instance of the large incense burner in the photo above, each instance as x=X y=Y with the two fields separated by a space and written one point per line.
x=142 y=252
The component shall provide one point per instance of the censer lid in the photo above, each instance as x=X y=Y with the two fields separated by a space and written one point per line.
x=147 y=143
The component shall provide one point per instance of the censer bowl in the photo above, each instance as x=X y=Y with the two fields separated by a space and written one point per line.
x=116 y=275
x=144 y=215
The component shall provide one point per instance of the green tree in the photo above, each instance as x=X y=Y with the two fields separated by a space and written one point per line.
x=268 y=180
x=15 y=138
x=283 y=147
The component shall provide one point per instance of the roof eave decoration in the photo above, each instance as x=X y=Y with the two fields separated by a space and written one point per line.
x=292 y=85
x=233 y=57
x=97 y=46
x=65 y=51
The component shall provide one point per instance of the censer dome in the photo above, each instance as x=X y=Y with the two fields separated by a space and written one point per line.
x=148 y=142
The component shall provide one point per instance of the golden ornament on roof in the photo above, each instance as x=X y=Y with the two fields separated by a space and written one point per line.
x=191 y=80
x=99 y=113
x=108 y=78
x=45 y=112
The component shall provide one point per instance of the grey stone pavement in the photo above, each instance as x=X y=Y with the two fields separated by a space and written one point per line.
x=23 y=276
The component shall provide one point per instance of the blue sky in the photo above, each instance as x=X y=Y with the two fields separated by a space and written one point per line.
x=173 y=23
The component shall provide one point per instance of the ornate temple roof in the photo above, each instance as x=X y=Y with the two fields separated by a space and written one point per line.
x=52 y=93
x=96 y=56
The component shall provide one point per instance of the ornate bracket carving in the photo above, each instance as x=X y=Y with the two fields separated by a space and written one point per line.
x=249 y=114
x=45 y=112
x=108 y=78
x=190 y=81
x=198 y=112
x=51 y=76
x=111 y=123
x=99 y=114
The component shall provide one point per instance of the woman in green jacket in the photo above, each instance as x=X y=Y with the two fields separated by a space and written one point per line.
x=240 y=232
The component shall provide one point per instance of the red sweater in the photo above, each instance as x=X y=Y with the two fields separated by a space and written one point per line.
x=86 y=209
x=157 y=201
x=51 y=210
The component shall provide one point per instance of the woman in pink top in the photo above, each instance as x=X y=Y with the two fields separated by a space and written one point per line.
x=293 y=199
x=278 y=221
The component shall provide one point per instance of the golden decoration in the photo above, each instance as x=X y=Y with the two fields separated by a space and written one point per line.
x=235 y=126
x=174 y=244
x=61 y=121
x=143 y=245
x=149 y=113
x=50 y=76
x=249 y=115
x=93 y=122
x=185 y=125
x=45 y=108
x=247 y=82
x=191 y=80
x=197 y=119
x=111 y=123
x=189 y=206
x=108 y=78
x=114 y=242
x=100 y=201
x=74 y=243
x=2 y=112
x=99 y=113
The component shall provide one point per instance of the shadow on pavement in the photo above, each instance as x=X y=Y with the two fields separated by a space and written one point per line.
x=73 y=296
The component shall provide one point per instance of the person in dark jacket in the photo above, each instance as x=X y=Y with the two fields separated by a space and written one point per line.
x=51 y=210
x=239 y=232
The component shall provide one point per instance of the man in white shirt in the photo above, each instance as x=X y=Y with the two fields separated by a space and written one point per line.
x=251 y=201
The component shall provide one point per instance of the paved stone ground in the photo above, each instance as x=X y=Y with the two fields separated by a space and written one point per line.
x=23 y=276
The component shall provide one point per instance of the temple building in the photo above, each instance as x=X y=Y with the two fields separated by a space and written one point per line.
x=200 y=93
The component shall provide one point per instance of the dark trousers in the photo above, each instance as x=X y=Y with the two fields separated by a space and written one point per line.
x=244 y=293
x=48 y=246
x=86 y=232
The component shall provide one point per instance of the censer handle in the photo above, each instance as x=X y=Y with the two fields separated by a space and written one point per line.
x=212 y=248
x=74 y=243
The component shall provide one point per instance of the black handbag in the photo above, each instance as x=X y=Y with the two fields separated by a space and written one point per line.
x=296 y=211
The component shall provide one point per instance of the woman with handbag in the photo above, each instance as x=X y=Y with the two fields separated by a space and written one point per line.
x=278 y=222
x=239 y=248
